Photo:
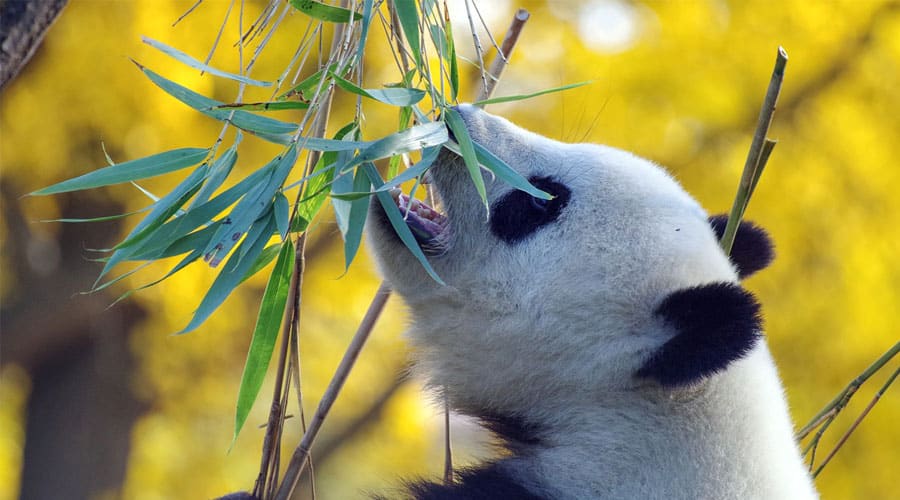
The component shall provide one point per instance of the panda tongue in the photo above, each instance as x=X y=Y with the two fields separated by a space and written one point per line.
x=425 y=222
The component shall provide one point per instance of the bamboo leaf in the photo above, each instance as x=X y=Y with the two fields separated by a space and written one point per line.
x=267 y=256
x=409 y=21
x=396 y=220
x=501 y=169
x=230 y=276
x=218 y=172
x=282 y=214
x=411 y=139
x=324 y=12
x=150 y=166
x=429 y=155
x=357 y=217
x=194 y=63
x=454 y=64
x=392 y=96
x=265 y=127
x=167 y=206
x=250 y=208
x=265 y=106
x=519 y=97
x=265 y=333
x=367 y=11
x=161 y=240
x=456 y=124
x=98 y=219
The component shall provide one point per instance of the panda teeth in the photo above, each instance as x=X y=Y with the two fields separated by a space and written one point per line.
x=427 y=224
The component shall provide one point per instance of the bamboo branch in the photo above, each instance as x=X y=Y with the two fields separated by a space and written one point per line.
x=858 y=420
x=754 y=164
x=840 y=401
x=301 y=453
x=498 y=65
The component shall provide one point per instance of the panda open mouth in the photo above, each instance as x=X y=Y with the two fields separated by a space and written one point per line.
x=427 y=224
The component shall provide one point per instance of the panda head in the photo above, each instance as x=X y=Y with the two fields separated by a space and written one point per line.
x=615 y=285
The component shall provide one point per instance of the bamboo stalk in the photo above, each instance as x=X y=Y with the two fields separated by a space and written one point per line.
x=300 y=457
x=501 y=61
x=753 y=166
x=301 y=453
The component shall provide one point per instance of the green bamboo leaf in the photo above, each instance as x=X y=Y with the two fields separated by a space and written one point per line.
x=367 y=11
x=506 y=173
x=409 y=21
x=282 y=214
x=162 y=210
x=218 y=172
x=194 y=63
x=162 y=238
x=324 y=12
x=167 y=206
x=392 y=96
x=256 y=230
x=265 y=333
x=510 y=98
x=396 y=220
x=316 y=192
x=98 y=219
x=265 y=127
x=467 y=149
x=265 y=106
x=195 y=241
x=267 y=256
x=231 y=275
x=307 y=87
x=256 y=202
x=357 y=217
x=342 y=184
x=150 y=166
x=411 y=139
x=454 y=64
x=500 y=168
x=429 y=155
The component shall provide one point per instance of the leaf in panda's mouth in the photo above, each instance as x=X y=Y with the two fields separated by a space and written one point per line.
x=427 y=224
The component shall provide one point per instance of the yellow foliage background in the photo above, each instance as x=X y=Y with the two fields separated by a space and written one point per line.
x=683 y=88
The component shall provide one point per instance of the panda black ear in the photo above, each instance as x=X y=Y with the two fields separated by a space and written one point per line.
x=752 y=250
x=714 y=324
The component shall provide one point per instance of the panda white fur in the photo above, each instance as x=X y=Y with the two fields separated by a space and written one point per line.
x=603 y=334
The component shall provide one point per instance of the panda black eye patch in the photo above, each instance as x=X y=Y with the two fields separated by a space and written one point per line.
x=517 y=214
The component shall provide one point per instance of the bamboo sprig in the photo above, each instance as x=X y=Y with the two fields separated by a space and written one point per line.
x=856 y=422
x=501 y=60
x=760 y=148
x=301 y=454
x=827 y=415
x=300 y=457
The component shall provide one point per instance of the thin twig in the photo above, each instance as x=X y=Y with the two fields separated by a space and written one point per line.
x=295 y=351
x=397 y=35
x=448 y=453
x=188 y=12
x=858 y=420
x=479 y=51
x=840 y=401
x=502 y=59
x=752 y=165
x=299 y=458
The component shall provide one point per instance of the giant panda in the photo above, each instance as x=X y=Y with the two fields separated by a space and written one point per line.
x=603 y=334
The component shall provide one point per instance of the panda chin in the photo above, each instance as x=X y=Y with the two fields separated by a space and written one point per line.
x=427 y=224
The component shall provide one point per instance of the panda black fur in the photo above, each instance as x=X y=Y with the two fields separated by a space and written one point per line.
x=603 y=334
